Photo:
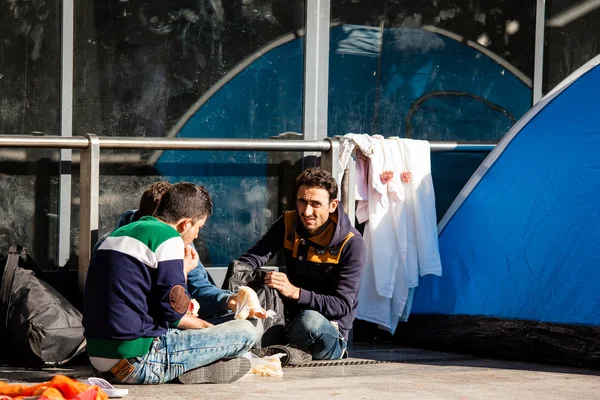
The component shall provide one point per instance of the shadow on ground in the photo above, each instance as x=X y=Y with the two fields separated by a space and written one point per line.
x=361 y=354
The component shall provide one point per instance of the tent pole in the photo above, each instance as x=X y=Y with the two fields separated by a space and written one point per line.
x=538 y=65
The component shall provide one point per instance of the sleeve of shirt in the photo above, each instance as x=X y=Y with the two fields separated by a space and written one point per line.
x=212 y=300
x=172 y=299
x=125 y=218
x=266 y=248
x=339 y=304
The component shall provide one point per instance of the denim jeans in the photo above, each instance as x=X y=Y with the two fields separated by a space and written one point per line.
x=314 y=333
x=179 y=351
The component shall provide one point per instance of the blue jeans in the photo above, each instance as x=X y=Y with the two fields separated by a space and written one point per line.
x=314 y=333
x=179 y=351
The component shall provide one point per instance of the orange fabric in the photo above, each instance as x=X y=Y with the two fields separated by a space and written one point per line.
x=59 y=388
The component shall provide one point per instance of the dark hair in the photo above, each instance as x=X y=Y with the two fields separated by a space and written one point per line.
x=151 y=197
x=316 y=177
x=184 y=200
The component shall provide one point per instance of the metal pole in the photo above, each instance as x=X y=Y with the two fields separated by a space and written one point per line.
x=89 y=186
x=344 y=189
x=351 y=191
x=330 y=161
x=538 y=64
x=316 y=69
x=79 y=142
x=43 y=142
x=464 y=147
x=212 y=144
x=66 y=130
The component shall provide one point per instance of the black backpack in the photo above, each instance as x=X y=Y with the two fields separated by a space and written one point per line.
x=38 y=326
x=241 y=274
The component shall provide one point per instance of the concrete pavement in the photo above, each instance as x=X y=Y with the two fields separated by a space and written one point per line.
x=415 y=374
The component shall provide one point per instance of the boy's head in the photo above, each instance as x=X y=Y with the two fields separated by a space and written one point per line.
x=151 y=197
x=185 y=206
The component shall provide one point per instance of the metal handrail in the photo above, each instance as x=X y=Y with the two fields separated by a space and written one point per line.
x=107 y=142
x=44 y=142
x=91 y=144
x=82 y=142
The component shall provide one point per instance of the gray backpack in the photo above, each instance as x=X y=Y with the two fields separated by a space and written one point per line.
x=38 y=326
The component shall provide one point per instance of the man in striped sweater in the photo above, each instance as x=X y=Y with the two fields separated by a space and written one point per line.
x=214 y=302
x=135 y=319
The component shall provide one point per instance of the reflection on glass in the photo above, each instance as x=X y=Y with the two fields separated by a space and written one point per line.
x=570 y=40
x=434 y=70
x=28 y=203
x=29 y=101
x=141 y=66
x=439 y=71
x=205 y=69
x=29 y=67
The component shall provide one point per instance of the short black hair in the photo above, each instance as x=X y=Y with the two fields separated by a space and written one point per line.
x=316 y=177
x=184 y=200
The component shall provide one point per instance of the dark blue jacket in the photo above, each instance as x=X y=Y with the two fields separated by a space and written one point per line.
x=326 y=267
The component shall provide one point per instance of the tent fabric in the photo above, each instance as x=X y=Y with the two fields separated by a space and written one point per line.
x=521 y=241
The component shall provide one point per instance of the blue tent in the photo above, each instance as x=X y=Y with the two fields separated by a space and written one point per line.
x=520 y=246
x=424 y=83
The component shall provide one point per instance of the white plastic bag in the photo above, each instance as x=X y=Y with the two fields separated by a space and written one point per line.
x=265 y=366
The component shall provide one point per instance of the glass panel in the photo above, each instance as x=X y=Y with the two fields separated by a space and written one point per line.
x=247 y=195
x=571 y=28
x=206 y=69
x=29 y=102
x=433 y=70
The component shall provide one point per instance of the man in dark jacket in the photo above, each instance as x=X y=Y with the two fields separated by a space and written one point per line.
x=324 y=257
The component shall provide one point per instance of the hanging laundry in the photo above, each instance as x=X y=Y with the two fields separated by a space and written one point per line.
x=397 y=204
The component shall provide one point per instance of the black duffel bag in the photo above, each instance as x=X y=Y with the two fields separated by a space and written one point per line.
x=38 y=326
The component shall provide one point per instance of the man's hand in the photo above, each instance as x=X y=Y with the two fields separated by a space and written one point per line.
x=279 y=281
x=190 y=322
x=190 y=260
x=232 y=305
x=231 y=302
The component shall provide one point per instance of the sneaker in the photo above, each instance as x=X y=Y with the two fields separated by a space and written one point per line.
x=293 y=355
x=222 y=371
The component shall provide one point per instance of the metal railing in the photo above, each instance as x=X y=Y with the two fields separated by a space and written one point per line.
x=91 y=144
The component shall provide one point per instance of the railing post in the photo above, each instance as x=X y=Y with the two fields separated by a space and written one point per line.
x=348 y=189
x=66 y=130
x=538 y=51
x=89 y=185
x=330 y=160
x=316 y=70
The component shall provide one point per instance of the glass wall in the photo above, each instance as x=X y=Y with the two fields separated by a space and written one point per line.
x=433 y=70
x=202 y=69
x=30 y=74
x=571 y=33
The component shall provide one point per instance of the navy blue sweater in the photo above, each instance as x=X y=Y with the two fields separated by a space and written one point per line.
x=135 y=289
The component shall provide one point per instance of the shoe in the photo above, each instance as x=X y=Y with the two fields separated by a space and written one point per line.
x=222 y=371
x=293 y=355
